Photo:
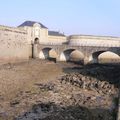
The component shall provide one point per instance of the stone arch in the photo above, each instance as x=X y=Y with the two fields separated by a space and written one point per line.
x=104 y=57
x=108 y=57
x=48 y=53
x=94 y=57
x=36 y=40
x=71 y=55
x=77 y=56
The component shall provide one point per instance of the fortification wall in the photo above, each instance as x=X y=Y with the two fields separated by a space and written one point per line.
x=81 y=40
x=13 y=45
x=57 y=40
x=43 y=35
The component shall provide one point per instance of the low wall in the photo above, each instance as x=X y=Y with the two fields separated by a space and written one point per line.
x=13 y=45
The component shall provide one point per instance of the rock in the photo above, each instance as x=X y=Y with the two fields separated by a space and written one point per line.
x=14 y=102
x=47 y=86
x=88 y=83
x=83 y=78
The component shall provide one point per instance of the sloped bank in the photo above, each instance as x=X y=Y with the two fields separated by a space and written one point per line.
x=85 y=93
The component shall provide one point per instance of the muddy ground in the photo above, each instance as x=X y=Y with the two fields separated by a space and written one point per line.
x=44 y=90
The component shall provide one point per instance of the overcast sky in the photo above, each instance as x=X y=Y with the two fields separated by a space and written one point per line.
x=91 y=17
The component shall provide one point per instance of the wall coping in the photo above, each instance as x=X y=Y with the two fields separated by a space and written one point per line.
x=93 y=37
x=12 y=29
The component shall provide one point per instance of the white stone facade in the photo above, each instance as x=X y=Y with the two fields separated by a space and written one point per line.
x=36 y=31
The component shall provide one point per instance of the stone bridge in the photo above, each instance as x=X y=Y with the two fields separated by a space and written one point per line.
x=87 y=54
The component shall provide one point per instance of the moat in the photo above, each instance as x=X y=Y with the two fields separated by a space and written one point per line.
x=44 y=90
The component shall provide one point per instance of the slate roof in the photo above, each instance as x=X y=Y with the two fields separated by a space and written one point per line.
x=55 y=33
x=31 y=23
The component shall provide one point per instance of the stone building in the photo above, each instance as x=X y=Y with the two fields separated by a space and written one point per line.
x=38 y=33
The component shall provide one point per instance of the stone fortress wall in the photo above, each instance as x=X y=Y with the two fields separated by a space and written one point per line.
x=13 y=44
x=56 y=40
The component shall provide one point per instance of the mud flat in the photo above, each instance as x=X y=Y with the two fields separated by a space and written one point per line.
x=43 y=90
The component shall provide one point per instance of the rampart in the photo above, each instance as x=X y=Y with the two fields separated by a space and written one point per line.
x=89 y=40
x=13 y=44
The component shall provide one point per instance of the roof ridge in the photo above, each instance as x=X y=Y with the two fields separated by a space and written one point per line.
x=30 y=23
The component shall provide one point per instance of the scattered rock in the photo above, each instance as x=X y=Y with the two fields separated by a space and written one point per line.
x=14 y=103
x=89 y=83
x=47 y=86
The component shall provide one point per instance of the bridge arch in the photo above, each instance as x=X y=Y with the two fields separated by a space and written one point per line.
x=72 y=55
x=48 y=53
x=109 y=57
x=104 y=57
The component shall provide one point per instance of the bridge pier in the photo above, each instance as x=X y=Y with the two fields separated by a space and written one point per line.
x=35 y=51
x=86 y=60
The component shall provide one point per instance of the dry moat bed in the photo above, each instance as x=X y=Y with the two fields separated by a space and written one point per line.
x=43 y=90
